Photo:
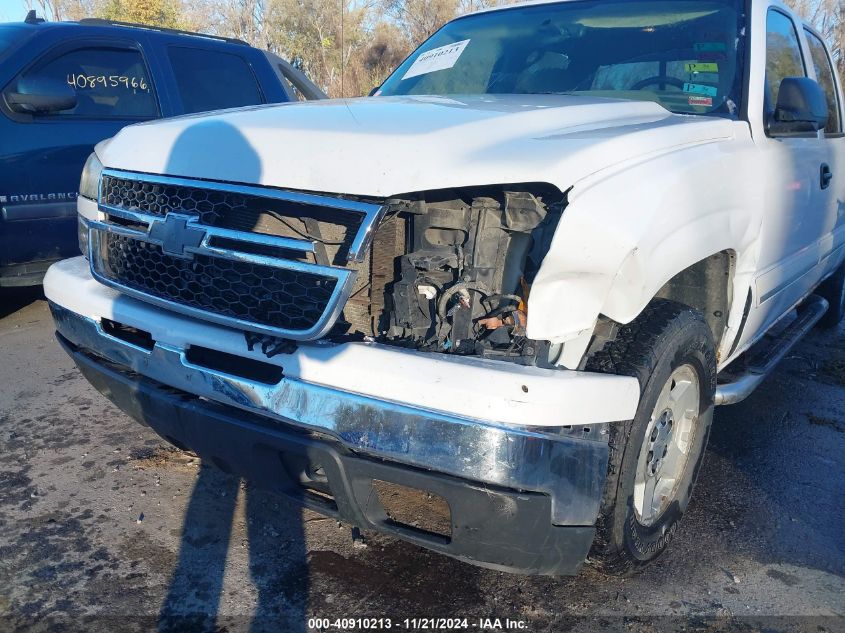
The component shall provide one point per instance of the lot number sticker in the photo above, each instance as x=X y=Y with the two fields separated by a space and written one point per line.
x=439 y=58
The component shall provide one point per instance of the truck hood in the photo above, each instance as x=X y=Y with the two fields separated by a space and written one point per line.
x=388 y=146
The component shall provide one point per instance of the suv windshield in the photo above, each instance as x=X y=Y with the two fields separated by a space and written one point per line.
x=685 y=55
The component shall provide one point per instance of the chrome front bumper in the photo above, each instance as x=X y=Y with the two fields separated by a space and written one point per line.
x=566 y=463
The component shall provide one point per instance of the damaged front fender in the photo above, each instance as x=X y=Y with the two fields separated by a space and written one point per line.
x=627 y=232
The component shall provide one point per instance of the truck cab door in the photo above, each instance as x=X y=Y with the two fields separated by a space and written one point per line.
x=832 y=174
x=794 y=216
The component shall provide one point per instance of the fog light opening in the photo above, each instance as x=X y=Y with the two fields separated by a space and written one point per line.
x=415 y=509
x=128 y=334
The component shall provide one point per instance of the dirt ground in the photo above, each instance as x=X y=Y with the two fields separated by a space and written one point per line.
x=103 y=526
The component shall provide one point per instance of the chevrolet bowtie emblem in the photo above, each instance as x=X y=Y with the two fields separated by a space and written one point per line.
x=175 y=235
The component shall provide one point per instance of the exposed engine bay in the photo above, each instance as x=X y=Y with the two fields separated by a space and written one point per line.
x=451 y=272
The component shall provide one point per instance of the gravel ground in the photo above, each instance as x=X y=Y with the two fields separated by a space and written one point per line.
x=105 y=527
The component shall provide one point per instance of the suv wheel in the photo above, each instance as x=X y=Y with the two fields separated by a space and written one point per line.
x=655 y=458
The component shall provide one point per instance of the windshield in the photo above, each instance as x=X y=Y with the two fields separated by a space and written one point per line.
x=685 y=55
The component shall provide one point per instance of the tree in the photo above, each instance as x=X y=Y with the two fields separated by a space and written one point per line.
x=243 y=19
x=165 y=13
x=419 y=19
x=388 y=47
x=316 y=35
x=337 y=43
x=56 y=10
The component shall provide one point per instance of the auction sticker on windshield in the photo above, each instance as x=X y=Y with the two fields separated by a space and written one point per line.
x=699 y=89
x=439 y=58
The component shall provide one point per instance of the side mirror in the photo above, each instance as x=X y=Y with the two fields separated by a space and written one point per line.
x=40 y=95
x=801 y=108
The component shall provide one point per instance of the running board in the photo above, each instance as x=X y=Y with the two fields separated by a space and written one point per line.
x=764 y=356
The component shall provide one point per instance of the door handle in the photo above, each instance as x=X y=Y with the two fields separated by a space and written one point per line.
x=826 y=176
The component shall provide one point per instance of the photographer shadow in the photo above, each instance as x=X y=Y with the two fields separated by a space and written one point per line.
x=220 y=508
x=222 y=518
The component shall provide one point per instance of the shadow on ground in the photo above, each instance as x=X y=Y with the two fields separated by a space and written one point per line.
x=277 y=566
x=784 y=448
x=13 y=299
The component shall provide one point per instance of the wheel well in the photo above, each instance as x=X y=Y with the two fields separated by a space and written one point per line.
x=706 y=287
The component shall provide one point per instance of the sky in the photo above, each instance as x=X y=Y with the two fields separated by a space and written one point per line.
x=12 y=10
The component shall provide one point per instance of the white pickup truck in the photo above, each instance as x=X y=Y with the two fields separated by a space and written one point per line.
x=489 y=309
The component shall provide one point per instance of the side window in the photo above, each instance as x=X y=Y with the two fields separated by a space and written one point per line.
x=212 y=80
x=825 y=76
x=783 y=53
x=109 y=82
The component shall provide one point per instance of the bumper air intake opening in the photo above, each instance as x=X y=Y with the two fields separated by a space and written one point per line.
x=128 y=334
x=246 y=368
x=415 y=509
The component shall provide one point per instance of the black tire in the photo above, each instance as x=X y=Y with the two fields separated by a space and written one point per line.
x=833 y=289
x=665 y=337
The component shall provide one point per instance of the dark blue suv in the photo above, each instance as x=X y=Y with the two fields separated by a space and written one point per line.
x=66 y=86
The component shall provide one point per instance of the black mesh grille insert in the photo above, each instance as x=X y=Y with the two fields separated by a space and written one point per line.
x=239 y=212
x=264 y=295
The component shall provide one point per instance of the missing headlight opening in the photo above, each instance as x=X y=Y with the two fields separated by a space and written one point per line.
x=451 y=272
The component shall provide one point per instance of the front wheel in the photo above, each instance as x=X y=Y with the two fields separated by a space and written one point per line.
x=655 y=458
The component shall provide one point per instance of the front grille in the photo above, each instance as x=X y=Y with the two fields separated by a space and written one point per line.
x=277 y=262
x=261 y=294
x=239 y=212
